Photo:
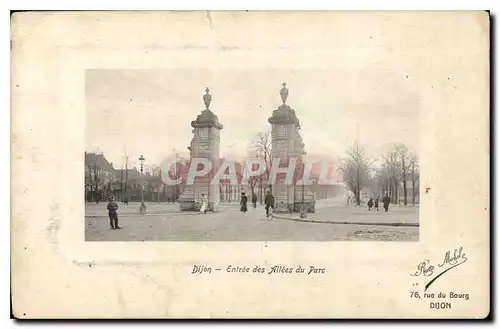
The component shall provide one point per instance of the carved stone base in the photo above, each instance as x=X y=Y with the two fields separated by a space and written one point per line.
x=189 y=202
x=286 y=202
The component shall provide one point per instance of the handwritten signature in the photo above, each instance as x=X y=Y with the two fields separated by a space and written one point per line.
x=426 y=269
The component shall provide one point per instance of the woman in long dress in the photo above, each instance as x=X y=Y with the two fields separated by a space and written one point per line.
x=204 y=204
x=243 y=202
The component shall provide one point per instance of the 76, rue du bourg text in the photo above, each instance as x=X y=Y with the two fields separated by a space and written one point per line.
x=257 y=269
x=431 y=273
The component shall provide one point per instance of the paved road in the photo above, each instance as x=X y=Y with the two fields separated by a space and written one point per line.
x=132 y=209
x=398 y=215
x=165 y=223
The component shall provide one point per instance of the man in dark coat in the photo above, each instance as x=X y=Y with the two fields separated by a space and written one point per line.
x=386 y=200
x=269 y=201
x=112 y=212
x=376 y=203
x=254 y=200
x=243 y=202
x=370 y=204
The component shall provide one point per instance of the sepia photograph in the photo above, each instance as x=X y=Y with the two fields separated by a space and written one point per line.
x=325 y=155
x=250 y=165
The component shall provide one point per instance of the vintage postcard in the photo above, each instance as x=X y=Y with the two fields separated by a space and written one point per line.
x=213 y=164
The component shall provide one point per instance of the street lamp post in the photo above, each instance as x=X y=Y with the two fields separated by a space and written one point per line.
x=142 y=208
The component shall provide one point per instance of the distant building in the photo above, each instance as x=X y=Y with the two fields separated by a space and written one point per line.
x=322 y=191
x=127 y=186
x=98 y=159
x=125 y=183
x=99 y=176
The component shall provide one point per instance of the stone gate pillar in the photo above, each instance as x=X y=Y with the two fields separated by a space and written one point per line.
x=205 y=144
x=287 y=144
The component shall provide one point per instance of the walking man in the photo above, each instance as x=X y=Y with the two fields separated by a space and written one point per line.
x=112 y=212
x=376 y=203
x=243 y=202
x=386 y=200
x=269 y=201
x=370 y=204
x=254 y=200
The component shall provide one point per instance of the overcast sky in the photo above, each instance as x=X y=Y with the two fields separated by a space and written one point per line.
x=149 y=111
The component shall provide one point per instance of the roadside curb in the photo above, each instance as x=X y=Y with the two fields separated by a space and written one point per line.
x=149 y=215
x=345 y=222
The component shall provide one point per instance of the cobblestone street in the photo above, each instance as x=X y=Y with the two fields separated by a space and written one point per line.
x=164 y=222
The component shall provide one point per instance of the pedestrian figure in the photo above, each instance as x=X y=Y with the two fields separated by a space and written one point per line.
x=204 y=204
x=314 y=203
x=386 y=200
x=112 y=212
x=370 y=204
x=243 y=202
x=376 y=203
x=254 y=200
x=269 y=201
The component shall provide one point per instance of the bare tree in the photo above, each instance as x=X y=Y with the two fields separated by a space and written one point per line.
x=175 y=173
x=98 y=180
x=176 y=163
x=89 y=181
x=415 y=176
x=398 y=167
x=355 y=168
x=404 y=161
x=252 y=182
x=262 y=148
x=157 y=181
x=382 y=178
x=392 y=169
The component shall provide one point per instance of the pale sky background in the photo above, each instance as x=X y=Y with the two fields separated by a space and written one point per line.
x=149 y=111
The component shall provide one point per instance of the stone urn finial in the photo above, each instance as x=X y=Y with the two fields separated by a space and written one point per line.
x=207 y=98
x=284 y=92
